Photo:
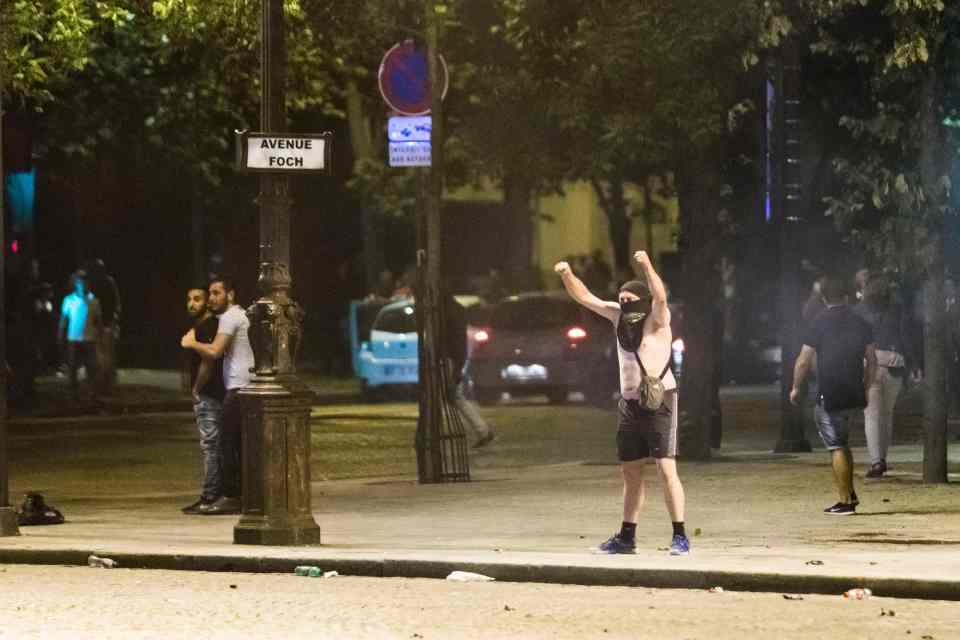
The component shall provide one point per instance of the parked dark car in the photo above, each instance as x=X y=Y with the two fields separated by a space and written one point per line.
x=542 y=343
x=545 y=343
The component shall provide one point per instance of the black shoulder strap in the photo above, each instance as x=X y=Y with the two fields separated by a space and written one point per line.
x=643 y=369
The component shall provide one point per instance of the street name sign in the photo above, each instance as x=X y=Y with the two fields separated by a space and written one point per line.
x=283 y=152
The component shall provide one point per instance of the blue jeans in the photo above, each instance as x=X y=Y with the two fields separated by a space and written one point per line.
x=209 y=414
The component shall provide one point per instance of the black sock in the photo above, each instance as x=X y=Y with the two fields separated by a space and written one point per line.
x=628 y=531
x=678 y=529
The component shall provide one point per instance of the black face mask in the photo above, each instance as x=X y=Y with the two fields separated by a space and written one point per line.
x=633 y=313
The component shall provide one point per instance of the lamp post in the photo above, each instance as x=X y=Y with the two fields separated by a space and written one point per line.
x=276 y=425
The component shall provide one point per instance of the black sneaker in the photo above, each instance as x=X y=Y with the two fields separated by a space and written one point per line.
x=224 y=506
x=196 y=506
x=840 y=509
x=854 y=500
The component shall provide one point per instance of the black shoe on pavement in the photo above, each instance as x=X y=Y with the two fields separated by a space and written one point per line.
x=876 y=471
x=224 y=506
x=840 y=509
x=194 y=508
x=854 y=500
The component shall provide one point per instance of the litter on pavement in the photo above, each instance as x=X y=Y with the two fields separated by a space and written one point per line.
x=467 y=576
x=102 y=563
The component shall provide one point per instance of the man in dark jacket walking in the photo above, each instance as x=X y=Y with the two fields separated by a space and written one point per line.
x=842 y=343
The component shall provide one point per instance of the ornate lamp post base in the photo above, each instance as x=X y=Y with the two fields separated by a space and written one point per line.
x=8 y=522
x=276 y=465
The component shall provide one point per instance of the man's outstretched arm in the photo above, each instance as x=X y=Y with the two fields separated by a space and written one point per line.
x=579 y=292
x=660 y=313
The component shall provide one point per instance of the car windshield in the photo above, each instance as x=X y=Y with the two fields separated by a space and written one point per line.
x=397 y=320
x=534 y=313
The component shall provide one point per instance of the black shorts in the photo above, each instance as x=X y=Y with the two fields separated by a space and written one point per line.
x=643 y=434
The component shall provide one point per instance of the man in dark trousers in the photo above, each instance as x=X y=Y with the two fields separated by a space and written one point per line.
x=104 y=287
x=456 y=354
x=80 y=326
x=206 y=386
x=843 y=345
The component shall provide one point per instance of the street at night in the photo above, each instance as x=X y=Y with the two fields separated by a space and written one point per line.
x=479 y=319
x=84 y=603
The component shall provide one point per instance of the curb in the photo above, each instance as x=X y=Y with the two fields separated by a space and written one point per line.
x=508 y=572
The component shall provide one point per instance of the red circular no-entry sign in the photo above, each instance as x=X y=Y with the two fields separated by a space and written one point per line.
x=404 y=79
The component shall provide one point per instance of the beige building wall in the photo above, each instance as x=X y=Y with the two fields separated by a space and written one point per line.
x=569 y=224
x=573 y=223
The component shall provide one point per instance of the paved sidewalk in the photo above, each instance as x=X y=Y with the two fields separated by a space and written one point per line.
x=755 y=521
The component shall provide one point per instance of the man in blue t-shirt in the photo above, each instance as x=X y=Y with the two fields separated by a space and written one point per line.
x=843 y=345
x=80 y=325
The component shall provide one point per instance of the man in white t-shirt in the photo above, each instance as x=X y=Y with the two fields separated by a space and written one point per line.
x=233 y=345
x=642 y=321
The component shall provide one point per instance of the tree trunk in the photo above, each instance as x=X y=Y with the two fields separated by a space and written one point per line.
x=649 y=211
x=614 y=204
x=698 y=190
x=363 y=149
x=935 y=157
x=197 y=235
x=935 y=370
x=516 y=195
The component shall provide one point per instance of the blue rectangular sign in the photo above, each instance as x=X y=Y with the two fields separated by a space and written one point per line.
x=409 y=129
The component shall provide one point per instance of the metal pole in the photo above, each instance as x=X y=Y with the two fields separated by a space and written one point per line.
x=788 y=200
x=276 y=425
x=430 y=424
x=440 y=441
x=8 y=518
x=434 y=256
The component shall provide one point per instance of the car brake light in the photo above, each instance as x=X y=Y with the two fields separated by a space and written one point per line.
x=481 y=336
x=576 y=333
